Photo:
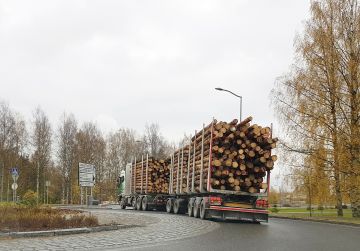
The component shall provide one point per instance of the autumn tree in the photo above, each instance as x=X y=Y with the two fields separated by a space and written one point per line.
x=13 y=139
x=319 y=99
x=41 y=142
x=348 y=48
x=157 y=146
x=66 y=153
x=122 y=147
x=91 y=149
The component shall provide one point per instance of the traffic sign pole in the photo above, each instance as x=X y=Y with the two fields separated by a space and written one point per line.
x=14 y=186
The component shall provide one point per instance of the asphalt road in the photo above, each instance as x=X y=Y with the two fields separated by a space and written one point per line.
x=161 y=231
x=278 y=234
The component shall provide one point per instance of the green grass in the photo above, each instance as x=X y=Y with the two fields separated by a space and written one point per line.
x=14 y=217
x=326 y=214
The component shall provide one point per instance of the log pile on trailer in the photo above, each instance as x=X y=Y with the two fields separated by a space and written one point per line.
x=150 y=176
x=241 y=155
x=235 y=155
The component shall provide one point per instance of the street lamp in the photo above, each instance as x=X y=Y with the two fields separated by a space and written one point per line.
x=240 y=97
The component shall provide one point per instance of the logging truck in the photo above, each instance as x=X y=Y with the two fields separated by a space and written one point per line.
x=223 y=172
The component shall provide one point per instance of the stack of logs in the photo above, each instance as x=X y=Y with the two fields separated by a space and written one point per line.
x=240 y=156
x=150 y=176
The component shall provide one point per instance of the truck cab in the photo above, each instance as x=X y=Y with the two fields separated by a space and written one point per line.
x=121 y=185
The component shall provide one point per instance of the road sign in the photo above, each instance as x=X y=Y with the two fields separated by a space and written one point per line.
x=14 y=173
x=14 y=186
x=86 y=175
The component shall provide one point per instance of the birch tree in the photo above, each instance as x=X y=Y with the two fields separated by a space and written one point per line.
x=66 y=153
x=41 y=141
x=319 y=99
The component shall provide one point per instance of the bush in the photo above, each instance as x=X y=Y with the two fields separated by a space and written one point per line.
x=30 y=198
x=321 y=208
x=24 y=218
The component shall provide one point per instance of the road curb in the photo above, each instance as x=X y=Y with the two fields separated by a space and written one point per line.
x=59 y=232
x=316 y=220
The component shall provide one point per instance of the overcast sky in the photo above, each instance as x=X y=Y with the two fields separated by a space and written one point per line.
x=128 y=63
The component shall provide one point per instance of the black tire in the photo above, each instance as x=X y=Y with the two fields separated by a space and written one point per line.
x=176 y=206
x=196 y=210
x=190 y=208
x=169 y=206
x=203 y=215
x=123 y=203
x=138 y=203
x=144 y=204
x=133 y=203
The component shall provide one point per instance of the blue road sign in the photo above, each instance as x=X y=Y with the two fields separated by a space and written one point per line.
x=14 y=171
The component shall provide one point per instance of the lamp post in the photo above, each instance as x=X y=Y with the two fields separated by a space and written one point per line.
x=240 y=97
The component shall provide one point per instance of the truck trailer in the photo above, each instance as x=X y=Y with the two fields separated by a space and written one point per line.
x=223 y=172
x=145 y=185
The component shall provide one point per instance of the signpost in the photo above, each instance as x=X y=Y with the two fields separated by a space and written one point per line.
x=86 y=178
x=15 y=175
x=47 y=184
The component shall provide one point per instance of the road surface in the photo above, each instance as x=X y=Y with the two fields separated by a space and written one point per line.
x=161 y=231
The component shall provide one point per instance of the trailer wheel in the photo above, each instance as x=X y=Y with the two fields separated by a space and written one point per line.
x=179 y=206
x=133 y=203
x=138 y=203
x=123 y=203
x=190 y=207
x=196 y=210
x=144 y=204
x=202 y=210
x=169 y=206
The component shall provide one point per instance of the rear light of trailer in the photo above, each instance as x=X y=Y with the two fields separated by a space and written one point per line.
x=262 y=203
x=217 y=201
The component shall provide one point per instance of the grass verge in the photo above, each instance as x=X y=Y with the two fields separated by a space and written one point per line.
x=322 y=215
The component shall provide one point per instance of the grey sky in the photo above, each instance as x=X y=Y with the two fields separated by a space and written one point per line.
x=126 y=63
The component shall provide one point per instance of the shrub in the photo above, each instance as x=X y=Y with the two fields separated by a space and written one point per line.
x=23 y=217
x=30 y=198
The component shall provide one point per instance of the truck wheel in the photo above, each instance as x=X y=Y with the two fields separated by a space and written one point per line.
x=180 y=206
x=133 y=203
x=196 y=210
x=190 y=207
x=138 y=203
x=176 y=206
x=123 y=203
x=202 y=210
x=169 y=206
x=144 y=204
